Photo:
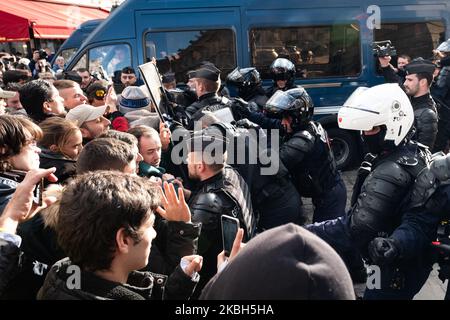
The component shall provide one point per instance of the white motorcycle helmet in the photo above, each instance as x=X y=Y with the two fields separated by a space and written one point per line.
x=383 y=105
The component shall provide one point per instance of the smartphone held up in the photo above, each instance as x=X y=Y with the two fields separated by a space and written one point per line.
x=230 y=227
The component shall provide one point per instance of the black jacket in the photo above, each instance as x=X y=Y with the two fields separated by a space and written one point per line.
x=210 y=101
x=425 y=120
x=8 y=185
x=65 y=168
x=9 y=263
x=224 y=193
x=140 y=286
x=41 y=250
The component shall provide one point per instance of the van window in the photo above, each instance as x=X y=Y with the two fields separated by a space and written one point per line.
x=427 y=36
x=181 y=51
x=68 y=54
x=317 y=51
x=111 y=57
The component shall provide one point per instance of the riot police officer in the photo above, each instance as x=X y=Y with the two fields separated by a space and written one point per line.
x=248 y=84
x=283 y=75
x=274 y=197
x=220 y=190
x=306 y=153
x=206 y=81
x=440 y=90
x=385 y=116
x=405 y=254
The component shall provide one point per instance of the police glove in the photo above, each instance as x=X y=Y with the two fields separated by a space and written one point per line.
x=383 y=251
x=246 y=124
x=241 y=107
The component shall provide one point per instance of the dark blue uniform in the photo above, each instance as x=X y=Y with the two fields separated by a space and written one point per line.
x=308 y=157
x=378 y=209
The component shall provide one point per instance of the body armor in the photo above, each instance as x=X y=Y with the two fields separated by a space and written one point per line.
x=385 y=191
x=308 y=156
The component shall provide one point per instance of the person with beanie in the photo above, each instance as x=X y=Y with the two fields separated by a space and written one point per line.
x=136 y=108
x=286 y=262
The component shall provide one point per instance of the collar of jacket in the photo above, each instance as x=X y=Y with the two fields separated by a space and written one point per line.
x=208 y=95
x=139 y=286
x=46 y=153
x=211 y=181
x=421 y=102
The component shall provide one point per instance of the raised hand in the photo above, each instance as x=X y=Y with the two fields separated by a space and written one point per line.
x=173 y=208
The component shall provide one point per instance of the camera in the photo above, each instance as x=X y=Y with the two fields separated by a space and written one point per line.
x=43 y=54
x=383 y=49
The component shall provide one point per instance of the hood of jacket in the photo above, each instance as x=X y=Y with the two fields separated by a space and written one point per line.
x=287 y=262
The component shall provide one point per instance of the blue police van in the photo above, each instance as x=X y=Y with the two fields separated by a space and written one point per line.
x=329 y=41
x=73 y=43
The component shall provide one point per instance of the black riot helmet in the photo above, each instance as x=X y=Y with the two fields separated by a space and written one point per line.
x=246 y=80
x=283 y=69
x=295 y=103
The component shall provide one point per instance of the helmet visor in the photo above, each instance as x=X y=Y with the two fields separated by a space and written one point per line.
x=279 y=102
x=235 y=76
x=280 y=76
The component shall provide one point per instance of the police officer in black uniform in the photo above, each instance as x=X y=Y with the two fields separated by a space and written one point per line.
x=206 y=80
x=406 y=253
x=248 y=84
x=306 y=153
x=418 y=79
x=385 y=116
x=283 y=75
x=220 y=190
x=440 y=90
x=274 y=197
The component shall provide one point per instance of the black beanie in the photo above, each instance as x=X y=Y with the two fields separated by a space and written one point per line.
x=287 y=262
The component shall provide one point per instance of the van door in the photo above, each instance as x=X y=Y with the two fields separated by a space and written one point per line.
x=180 y=39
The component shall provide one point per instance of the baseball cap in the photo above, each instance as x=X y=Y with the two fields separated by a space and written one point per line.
x=84 y=113
x=6 y=94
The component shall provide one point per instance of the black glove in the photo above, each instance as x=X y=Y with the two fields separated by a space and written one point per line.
x=383 y=250
x=241 y=107
x=247 y=124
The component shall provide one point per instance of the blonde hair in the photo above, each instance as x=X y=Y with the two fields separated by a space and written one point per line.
x=57 y=131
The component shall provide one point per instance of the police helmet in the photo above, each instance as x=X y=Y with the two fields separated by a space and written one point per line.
x=294 y=102
x=245 y=79
x=283 y=69
x=385 y=105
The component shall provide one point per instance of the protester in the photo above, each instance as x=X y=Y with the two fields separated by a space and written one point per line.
x=105 y=226
x=60 y=145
